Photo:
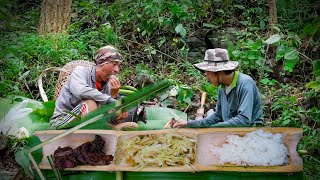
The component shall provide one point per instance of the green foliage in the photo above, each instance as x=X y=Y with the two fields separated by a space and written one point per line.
x=43 y=114
x=212 y=91
x=149 y=16
x=251 y=55
x=311 y=143
x=287 y=51
x=311 y=166
x=18 y=16
x=144 y=69
x=268 y=82
x=24 y=56
x=296 y=13
x=287 y=112
x=21 y=154
x=315 y=85
x=185 y=94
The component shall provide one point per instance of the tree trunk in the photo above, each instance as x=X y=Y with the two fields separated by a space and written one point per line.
x=273 y=12
x=55 y=16
x=276 y=66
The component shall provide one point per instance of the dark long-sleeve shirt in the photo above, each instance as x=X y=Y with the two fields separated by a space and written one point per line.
x=240 y=107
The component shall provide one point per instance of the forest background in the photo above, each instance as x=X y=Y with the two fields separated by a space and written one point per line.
x=276 y=43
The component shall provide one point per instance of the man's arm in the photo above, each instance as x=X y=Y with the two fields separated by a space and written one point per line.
x=81 y=89
x=210 y=120
x=205 y=122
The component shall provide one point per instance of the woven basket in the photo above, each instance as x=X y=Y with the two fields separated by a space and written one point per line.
x=64 y=75
x=65 y=72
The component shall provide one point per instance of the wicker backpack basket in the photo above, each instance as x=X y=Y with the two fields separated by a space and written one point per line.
x=64 y=74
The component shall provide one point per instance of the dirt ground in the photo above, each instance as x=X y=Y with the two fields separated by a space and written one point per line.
x=9 y=168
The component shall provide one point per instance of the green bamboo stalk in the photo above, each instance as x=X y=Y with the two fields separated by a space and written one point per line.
x=119 y=175
x=35 y=165
x=55 y=170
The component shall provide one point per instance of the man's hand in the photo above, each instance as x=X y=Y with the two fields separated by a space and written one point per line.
x=114 y=86
x=122 y=116
x=179 y=124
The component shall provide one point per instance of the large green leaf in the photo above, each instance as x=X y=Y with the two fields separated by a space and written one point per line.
x=210 y=26
x=37 y=155
x=154 y=113
x=316 y=68
x=291 y=53
x=273 y=39
x=207 y=175
x=45 y=112
x=155 y=124
x=314 y=85
x=181 y=30
x=31 y=121
x=22 y=158
x=291 y=59
x=158 y=117
x=280 y=52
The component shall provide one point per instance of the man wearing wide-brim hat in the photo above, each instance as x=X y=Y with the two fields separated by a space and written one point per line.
x=238 y=103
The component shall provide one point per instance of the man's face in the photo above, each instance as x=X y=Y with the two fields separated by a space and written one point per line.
x=108 y=69
x=213 y=78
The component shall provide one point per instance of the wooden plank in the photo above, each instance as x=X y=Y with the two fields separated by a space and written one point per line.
x=96 y=131
x=205 y=161
x=250 y=129
x=250 y=168
x=110 y=167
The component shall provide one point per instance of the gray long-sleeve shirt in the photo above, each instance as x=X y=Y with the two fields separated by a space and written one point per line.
x=80 y=86
x=240 y=107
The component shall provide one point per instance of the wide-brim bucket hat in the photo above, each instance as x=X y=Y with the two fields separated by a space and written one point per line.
x=217 y=60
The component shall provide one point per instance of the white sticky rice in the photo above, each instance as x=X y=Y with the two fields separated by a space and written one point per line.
x=257 y=148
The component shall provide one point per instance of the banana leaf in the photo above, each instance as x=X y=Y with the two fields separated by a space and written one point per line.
x=156 y=113
x=45 y=112
x=211 y=175
x=21 y=155
x=158 y=117
x=216 y=175
x=17 y=112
